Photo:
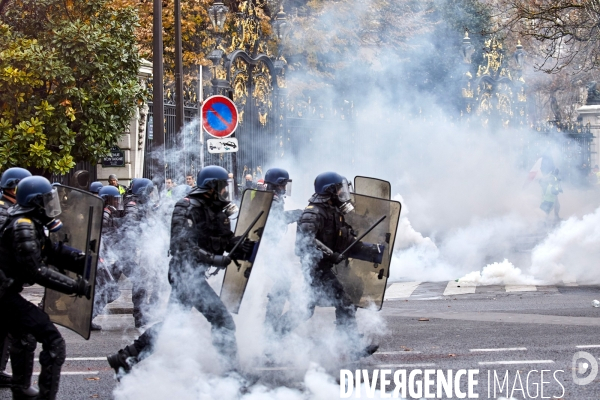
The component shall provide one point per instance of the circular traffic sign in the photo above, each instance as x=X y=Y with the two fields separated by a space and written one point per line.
x=219 y=116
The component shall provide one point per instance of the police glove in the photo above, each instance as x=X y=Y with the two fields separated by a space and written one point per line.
x=334 y=257
x=83 y=288
x=244 y=250
x=220 y=261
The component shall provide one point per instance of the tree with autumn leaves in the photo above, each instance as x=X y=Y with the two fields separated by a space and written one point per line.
x=68 y=81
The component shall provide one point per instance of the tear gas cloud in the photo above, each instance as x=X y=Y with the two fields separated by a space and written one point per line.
x=466 y=214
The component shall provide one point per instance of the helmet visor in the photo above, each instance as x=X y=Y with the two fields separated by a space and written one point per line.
x=51 y=203
x=223 y=191
x=230 y=188
x=114 y=201
x=343 y=191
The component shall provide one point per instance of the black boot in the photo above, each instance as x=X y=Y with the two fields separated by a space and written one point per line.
x=30 y=393
x=21 y=359
x=51 y=359
x=125 y=359
x=5 y=380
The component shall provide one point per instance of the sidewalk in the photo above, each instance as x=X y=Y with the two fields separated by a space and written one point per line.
x=122 y=305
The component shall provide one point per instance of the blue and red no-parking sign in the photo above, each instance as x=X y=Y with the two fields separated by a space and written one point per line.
x=219 y=116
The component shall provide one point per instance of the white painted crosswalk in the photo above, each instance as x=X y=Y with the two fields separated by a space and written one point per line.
x=439 y=290
x=401 y=290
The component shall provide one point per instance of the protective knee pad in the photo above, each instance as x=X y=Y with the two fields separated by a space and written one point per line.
x=54 y=353
x=25 y=343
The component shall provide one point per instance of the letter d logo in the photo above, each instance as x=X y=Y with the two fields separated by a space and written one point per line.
x=582 y=367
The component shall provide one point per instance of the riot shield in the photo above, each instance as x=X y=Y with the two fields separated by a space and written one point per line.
x=82 y=226
x=372 y=187
x=236 y=275
x=365 y=281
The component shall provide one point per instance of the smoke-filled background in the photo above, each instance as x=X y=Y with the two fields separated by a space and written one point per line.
x=467 y=209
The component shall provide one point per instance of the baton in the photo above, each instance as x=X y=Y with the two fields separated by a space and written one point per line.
x=243 y=237
x=362 y=236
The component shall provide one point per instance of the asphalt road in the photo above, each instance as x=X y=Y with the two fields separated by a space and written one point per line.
x=497 y=332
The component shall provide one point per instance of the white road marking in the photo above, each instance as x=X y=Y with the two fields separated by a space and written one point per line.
x=75 y=373
x=454 y=288
x=520 y=288
x=404 y=365
x=400 y=290
x=82 y=359
x=504 y=349
x=588 y=346
x=276 y=369
x=516 y=362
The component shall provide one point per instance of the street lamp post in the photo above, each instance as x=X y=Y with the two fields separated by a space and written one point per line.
x=218 y=15
x=178 y=70
x=158 y=118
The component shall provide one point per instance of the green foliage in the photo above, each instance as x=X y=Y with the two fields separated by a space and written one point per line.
x=68 y=81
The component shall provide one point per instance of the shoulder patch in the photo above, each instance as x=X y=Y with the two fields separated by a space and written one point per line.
x=1 y=203
x=309 y=207
x=23 y=221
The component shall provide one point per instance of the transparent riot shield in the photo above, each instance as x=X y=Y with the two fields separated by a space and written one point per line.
x=363 y=279
x=236 y=275
x=372 y=187
x=82 y=226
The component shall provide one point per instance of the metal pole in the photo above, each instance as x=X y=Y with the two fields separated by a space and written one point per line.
x=158 y=143
x=178 y=70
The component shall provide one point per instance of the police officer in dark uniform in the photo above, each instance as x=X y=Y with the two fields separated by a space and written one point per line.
x=26 y=257
x=200 y=234
x=278 y=181
x=138 y=206
x=323 y=219
x=24 y=346
x=108 y=273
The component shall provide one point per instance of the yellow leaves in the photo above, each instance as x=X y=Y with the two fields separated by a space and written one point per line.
x=65 y=102
x=70 y=113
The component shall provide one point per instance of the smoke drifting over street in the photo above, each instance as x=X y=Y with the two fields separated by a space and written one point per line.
x=466 y=214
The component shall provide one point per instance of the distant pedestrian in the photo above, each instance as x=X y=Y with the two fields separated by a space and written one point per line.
x=249 y=184
x=189 y=180
x=113 y=181
x=551 y=188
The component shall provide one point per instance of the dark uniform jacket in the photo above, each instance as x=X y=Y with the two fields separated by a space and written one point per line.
x=326 y=223
x=26 y=252
x=198 y=223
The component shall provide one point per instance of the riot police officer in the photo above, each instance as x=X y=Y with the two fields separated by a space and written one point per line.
x=138 y=207
x=26 y=257
x=108 y=273
x=24 y=346
x=278 y=181
x=323 y=220
x=200 y=234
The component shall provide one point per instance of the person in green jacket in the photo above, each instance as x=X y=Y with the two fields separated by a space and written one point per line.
x=113 y=181
x=551 y=188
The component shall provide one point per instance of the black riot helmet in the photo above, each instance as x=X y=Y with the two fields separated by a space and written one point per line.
x=12 y=176
x=111 y=196
x=333 y=186
x=278 y=180
x=143 y=188
x=214 y=178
